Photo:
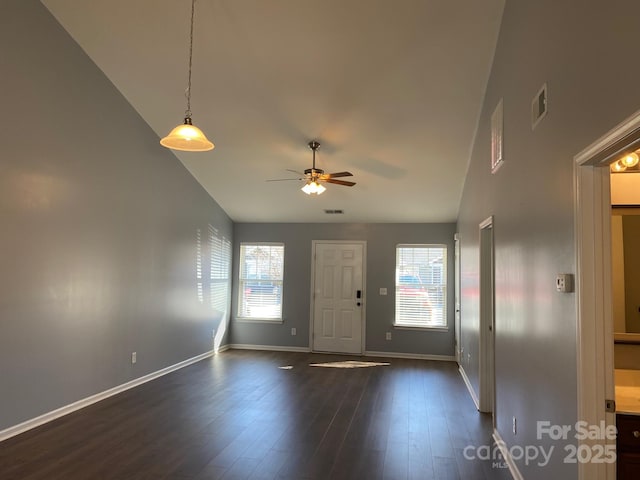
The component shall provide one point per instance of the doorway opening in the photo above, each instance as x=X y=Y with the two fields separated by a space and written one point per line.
x=596 y=387
x=487 y=395
x=457 y=327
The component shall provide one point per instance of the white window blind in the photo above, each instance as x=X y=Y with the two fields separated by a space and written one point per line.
x=421 y=286
x=220 y=251
x=260 y=282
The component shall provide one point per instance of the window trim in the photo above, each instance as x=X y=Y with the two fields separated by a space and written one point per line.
x=270 y=320
x=432 y=328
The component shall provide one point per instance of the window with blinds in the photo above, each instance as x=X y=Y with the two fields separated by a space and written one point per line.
x=260 y=282
x=421 y=286
x=220 y=252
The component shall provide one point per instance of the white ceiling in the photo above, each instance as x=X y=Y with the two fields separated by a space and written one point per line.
x=391 y=89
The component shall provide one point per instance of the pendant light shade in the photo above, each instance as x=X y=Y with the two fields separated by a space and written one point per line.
x=187 y=137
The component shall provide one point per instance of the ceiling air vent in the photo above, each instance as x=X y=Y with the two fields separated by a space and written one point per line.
x=334 y=212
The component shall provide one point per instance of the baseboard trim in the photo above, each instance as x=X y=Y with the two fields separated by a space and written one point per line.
x=474 y=397
x=506 y=454
x=270 y=348
x=411 y=356
x=85 y=402
x=278 y=348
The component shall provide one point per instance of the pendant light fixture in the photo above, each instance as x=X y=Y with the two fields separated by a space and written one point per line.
x=187 y=137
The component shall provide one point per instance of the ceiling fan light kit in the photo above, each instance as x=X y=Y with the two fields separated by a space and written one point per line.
x=313 y=187
x=187 y=137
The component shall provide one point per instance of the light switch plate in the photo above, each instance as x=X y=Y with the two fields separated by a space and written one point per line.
x=383 y=291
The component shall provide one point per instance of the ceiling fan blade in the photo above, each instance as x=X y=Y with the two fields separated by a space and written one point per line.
x=340 y=182
x=339 y=174
x=283 y=179
x=294 y=171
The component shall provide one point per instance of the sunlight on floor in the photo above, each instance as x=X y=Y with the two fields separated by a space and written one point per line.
x=349 y=364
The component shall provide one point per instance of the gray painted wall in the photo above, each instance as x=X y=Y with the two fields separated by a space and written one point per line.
x=582 y=50
x=380 y=272
x=98 y=239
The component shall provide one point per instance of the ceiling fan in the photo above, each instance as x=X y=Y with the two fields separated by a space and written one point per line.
x=314 y=177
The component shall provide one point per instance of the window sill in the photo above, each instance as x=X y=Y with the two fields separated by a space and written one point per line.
x=258 y=320
x=425 y=328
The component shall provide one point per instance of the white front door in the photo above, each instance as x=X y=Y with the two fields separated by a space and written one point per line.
x=338 y=296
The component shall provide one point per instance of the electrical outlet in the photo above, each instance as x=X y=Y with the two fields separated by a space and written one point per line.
x=294 y=332
x=514 y=425
x=388 y=336
x=564 y=282
x=134 y=357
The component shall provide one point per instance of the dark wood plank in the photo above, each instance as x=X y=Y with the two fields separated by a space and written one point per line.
x=238 y=416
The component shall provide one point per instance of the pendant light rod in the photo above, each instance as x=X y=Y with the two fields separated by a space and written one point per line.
x=313 y=145
x=313 y=185
x=187 y=114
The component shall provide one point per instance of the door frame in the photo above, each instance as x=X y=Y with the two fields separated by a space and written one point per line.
x=363 y=323
x=487 y=384
x=457 y=310
x=592 y=213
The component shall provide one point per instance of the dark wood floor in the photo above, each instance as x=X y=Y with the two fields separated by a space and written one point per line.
x=238 y=416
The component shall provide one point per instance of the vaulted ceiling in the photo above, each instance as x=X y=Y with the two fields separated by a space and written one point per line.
x=391 y=89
